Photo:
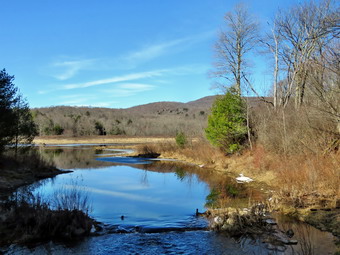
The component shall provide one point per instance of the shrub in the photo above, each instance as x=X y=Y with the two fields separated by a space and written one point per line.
x=58 y=130
x=181 y=140
x=100 y=130
x=117 y=131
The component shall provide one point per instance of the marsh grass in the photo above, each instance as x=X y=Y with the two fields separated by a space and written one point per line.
x=28 y=218
x=71 y=197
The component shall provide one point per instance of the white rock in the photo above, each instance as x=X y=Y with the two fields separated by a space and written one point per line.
x=218 y=220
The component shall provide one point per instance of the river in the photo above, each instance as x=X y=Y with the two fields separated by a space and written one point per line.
x=147 y=207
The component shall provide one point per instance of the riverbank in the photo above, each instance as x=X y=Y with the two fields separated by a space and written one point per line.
x=302 y=180
x=23 y=170
x=305 y=187
x=31 y=224
x=26 y=219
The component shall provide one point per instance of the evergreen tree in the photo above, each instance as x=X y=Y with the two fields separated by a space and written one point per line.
x=227 y=128
x=16 y=122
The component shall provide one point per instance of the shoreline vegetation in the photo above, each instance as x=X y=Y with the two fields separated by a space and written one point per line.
x=26 y=219
x=321 y=211
x=286 y=181
x=290 y=189
x=23 y=169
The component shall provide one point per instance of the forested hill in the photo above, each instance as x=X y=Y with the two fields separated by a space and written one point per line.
x=161 y=118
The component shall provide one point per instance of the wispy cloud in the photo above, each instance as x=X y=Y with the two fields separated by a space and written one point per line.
x=152 y=51
x=128 y=89
x=84 y=100
x=116 y=79
x=132 y=83
x=102 y=104
x=189 y=69
x=136 y=86
x=75 y=102
x=156 y=50
x=64 y=70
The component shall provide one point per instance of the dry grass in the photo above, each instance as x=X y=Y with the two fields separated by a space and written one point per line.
x=201 y=153
x=303 y=179
x=310 y=180
x=197 y=151
x=100 y=140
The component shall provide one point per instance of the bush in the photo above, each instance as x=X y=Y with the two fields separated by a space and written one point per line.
x=117 y=131
x=181 y=140
x=100 y=130
x=58 y=130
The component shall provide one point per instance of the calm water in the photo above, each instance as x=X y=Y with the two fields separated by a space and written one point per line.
x=155 y=198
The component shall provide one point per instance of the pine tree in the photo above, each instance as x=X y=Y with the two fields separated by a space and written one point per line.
x=227 y=128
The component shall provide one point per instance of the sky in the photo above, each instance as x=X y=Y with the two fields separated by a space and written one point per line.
x=118 y=53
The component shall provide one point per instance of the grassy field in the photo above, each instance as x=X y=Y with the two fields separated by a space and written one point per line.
x=101 y=140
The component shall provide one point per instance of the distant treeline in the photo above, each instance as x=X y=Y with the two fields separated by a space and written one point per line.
x=162 y=118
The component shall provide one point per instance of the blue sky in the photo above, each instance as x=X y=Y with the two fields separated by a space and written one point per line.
x=115 y=53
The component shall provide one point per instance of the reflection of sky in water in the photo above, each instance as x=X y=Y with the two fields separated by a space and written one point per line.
x=125 y=160
x=153 y=199
x=143 y=197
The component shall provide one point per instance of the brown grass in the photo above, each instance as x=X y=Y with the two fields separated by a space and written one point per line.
x=197 y=151
x=100 y=140
x=304 y=179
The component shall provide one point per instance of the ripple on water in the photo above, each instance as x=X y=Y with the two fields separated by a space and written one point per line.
x=190 y=242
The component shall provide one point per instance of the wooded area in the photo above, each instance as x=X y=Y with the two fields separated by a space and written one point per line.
x=162 y=118
x=302 y=113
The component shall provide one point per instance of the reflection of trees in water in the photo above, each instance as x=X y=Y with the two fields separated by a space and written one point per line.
x=144 y=178
x=180 y=173
x=306 y=243
x=307 y=236
x=27 y=194
x=230 y=193
x=72 y=157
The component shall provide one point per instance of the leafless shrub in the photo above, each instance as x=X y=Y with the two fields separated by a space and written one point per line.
x=71 y=197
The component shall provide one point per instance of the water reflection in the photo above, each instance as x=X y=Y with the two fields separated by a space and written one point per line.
x=69 y=157
x=155 y=196
x=311 y=241
x=146 y=194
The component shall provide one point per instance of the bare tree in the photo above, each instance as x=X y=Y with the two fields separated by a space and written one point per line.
x=304 y=29
x=325 y=83
x=272 y=43
x=238 y=38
